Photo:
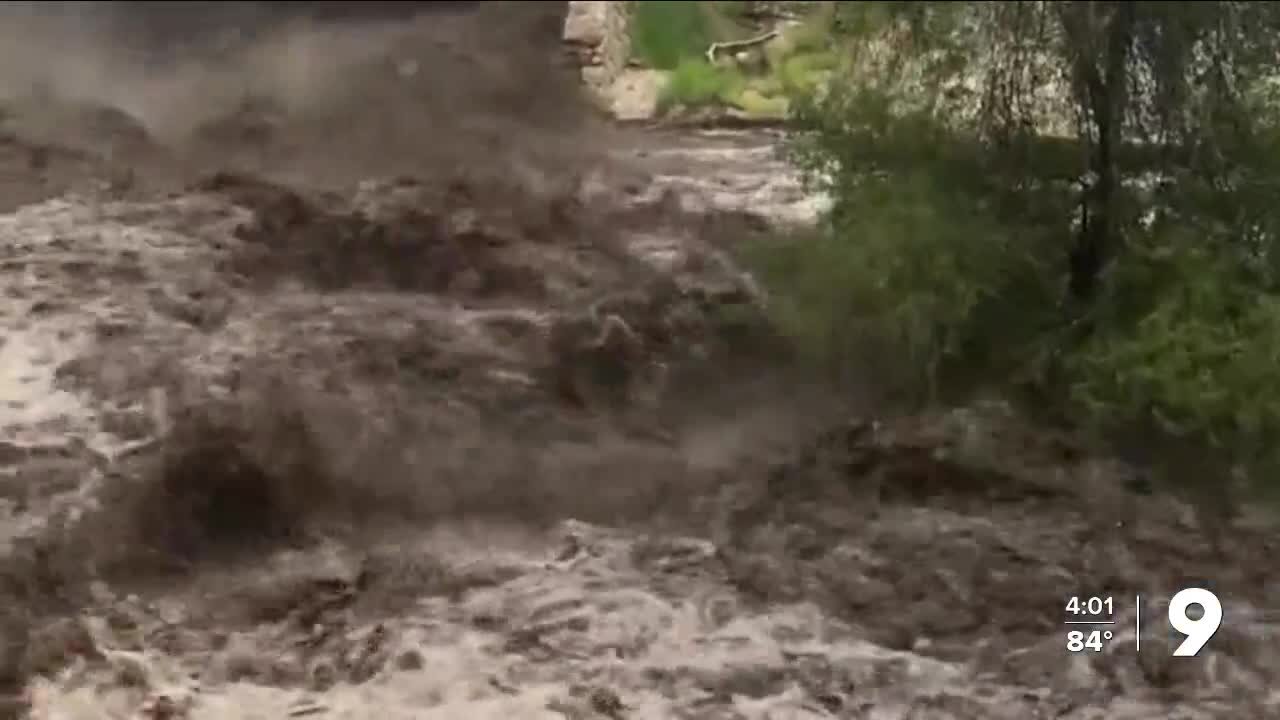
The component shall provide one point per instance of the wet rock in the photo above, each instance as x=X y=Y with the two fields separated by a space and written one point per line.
x=409 y=661
x=634 y=94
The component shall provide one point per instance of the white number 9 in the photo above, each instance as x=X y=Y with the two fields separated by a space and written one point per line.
x=1199 y=631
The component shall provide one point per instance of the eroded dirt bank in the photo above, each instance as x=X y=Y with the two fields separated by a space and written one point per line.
x=356 y=369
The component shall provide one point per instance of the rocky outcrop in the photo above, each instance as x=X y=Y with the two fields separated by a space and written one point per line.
x=596 y=34
x=597 y=37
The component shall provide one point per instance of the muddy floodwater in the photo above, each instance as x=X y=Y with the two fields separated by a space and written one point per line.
x=351 y=366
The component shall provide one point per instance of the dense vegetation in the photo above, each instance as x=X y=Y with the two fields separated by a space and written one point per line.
x=674 y=37
x=1074 y=203
x=664 y=33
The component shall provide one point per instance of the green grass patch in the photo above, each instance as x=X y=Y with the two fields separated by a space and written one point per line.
x=803 y=73
x=695 y=83
x=757 y=104
x=767 y=85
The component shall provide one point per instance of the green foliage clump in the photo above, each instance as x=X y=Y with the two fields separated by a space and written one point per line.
x=675 y=36
x=1198 y=366
x=915 y=266
x=696 y=82
x=805 y=73
x=761 y=105
x=1075 y=200
x=664 y=33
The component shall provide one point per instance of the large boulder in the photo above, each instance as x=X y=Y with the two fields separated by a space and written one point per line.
x=586 y=23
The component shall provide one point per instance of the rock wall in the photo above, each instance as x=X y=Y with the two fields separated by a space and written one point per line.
x=597 y=35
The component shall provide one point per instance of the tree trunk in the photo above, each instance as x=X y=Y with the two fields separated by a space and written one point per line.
x=1103 y=95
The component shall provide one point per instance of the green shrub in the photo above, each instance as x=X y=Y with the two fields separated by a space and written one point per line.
x=1199 y=366
x=946 y=260
x=664 y=33
x=912 y=276
x=935 y=275
x=696 y=82
x=897 y=291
